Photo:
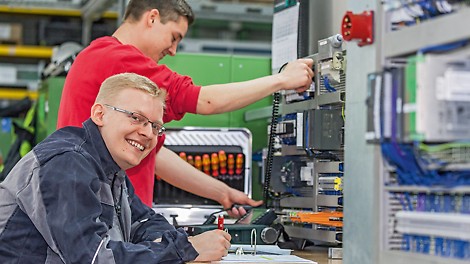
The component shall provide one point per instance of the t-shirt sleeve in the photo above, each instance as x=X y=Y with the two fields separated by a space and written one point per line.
x=182 y=97
x=106 y=57
x=182 y=93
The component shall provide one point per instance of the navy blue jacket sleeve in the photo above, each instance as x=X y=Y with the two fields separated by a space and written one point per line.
x=72 y=207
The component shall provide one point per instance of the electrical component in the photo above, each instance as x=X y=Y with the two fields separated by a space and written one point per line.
x=446 y=225
x=269 y=235
x=327 y=48
x=292 y=175
x=443 y=108
x=330 y=183
x=330 y=65
x=358 y=27
x=323 y=129
x=286 y=129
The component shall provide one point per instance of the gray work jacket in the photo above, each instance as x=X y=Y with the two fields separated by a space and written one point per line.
x=67 y=201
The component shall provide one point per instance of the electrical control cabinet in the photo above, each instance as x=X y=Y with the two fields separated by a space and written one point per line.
x=426 y=156
x=418 y=112
x=307 y=170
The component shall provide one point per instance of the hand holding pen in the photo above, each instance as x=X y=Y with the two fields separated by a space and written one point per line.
x=211 y=245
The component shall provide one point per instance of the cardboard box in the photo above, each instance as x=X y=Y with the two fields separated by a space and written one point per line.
x=11 y=33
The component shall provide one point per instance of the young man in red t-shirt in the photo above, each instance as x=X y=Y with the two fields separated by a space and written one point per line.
x=151 y=30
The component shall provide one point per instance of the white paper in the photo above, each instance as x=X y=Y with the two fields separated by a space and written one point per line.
x=263 y=249
x=232 y=258
x=285 y=36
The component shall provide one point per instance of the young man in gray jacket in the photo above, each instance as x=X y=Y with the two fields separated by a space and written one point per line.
x=70 y=201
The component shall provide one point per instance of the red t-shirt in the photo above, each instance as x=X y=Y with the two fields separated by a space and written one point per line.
x=105 y=57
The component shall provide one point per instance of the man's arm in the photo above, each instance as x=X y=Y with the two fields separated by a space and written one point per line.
x=181 y=174
x=74 y=219
x=221 y=98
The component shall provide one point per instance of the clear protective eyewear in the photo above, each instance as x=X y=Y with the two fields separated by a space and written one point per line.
x=138 y=119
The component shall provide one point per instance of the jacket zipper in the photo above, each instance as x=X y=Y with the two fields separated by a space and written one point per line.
x=117 y=207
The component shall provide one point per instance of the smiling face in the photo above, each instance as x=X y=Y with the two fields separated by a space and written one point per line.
x=127 y=142
x=164 y=38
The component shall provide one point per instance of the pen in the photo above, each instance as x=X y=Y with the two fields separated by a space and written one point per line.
x=220 y=222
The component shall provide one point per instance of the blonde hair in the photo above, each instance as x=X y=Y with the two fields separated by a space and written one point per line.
x=113 y=85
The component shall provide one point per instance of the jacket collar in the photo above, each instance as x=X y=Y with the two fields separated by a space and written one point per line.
x=93 y=134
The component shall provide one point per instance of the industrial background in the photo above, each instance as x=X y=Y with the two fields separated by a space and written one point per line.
x=370 y=165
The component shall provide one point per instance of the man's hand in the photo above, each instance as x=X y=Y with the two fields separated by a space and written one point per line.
x=211 y=245
x=233 y=197
x=175 y=171
x=298 y=75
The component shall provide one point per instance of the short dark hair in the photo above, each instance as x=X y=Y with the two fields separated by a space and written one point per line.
x=170 y=10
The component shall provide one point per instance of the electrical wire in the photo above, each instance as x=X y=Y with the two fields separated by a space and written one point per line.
x=409 y=13
x=442 y=147
x=327 y=84
x=270 y=155
x=444 y=47
x=211 y=218
x=272 y=132
x=413 y=166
